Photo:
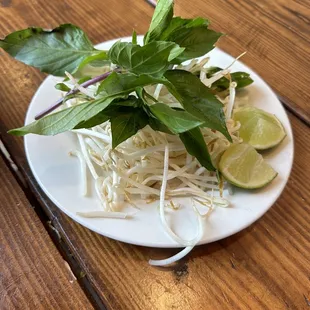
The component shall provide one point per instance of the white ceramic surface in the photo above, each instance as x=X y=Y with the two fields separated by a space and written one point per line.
x=58 y=175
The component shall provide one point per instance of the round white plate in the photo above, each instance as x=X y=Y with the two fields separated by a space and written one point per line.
x=58 y=175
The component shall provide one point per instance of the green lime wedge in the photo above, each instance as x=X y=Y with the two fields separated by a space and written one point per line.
x=259 y=128
x=242 y=166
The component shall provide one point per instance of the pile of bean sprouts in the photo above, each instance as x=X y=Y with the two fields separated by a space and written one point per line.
x=153 y=165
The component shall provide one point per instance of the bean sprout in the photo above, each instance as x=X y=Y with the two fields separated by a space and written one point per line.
x=154 y=166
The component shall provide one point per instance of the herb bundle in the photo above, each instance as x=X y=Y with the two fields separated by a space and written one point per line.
x=121 y=95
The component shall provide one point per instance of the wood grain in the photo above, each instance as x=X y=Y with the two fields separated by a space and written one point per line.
x=276 y=36
x=33 y=275
x=264 y=267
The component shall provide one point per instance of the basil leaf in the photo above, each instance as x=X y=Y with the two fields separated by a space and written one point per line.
x=177 y=121
x=241 y=78
x=178 y=23
x=52 y=51
x=134 y=37
x=156 y=125
x=152 y=59
x=84 y=79
x=98 y=60
x=115 y=107
x=124 y=125
x=198 y=21
x=212 y=70
x=98 y=119
x=123 y=84
x=197 y=99
x=161 y=18
x=62 y=87
x=196 y=146
x=165 y=119
x=131 y=101
x=64 y=120
x=192 y=34
x=197 y=41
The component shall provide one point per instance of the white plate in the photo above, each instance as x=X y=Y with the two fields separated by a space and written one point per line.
x=58 y=175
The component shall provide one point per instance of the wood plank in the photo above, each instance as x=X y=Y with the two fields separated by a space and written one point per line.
x=263 y=267
x=250 y=270
x=33 y=273
x=276 y=36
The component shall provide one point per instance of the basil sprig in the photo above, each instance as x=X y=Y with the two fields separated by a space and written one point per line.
x=121 y=97
x=55 y=51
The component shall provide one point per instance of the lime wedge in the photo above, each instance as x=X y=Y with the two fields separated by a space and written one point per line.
x=259 y=128
x=242 y=166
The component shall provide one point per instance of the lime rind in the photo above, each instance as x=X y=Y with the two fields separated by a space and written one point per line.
x=244 y=167
x=259 y=128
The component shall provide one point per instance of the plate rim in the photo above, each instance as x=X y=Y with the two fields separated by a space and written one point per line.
x=86 y=224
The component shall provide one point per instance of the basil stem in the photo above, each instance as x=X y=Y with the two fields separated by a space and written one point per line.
x=59 y=102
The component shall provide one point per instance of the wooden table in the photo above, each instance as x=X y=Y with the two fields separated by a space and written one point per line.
x=47 y=261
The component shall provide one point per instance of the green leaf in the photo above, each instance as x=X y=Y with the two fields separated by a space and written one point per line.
x=116 y=107
x=84 y=79
x=161 y=19
x=123 y=84
x=131 y=101
x=98 y=119
x=241 y=78
x=97 y=60
x=152 y=59
x=76 y=96
x=62 y=87
x=124 y=125
x=134 y=37
x=178 y=23
x=93 y=68
x=197 y=99
x=195 y=145
x=52 y=51
x=156 y=125
x=95 y=63
x=212 y=70
x=192 y=34
x=177 y=121
x=64 y=120
x=198 y=21
x=197 y=41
